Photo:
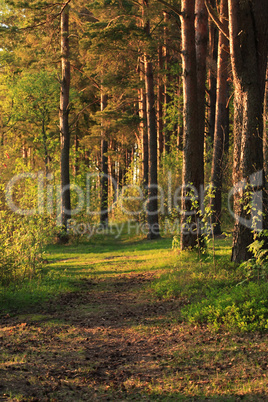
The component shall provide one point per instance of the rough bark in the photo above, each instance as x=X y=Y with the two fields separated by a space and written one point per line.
x=248 y=47
x=192 y=141
x=64 y=121
x=221 y=121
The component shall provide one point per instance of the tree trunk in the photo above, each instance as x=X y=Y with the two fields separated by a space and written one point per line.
x=160 y=102
x=104 y=219
x=143 y=127
x=76 y=150
x=64 y=123
x=248 y=48
x=193 y=171
x=44 y=138
x=212 y=75
x=265 y=127
x=152 y=208
x=221 y=121
x=201 y=44
x=167 y=98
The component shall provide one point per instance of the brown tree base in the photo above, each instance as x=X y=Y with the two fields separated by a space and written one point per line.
x=153 y=236
x=62 y=238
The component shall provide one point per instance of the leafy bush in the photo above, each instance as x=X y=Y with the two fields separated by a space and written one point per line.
x=244 y=308
x=22 y=241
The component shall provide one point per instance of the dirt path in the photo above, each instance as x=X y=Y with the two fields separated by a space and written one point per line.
x=112 y=341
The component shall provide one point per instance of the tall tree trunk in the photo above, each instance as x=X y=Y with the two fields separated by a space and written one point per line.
x=201 y=44
x=167 y=98
x=248 y=48
x=143 y=127
x=193 y=142
x=152 y=205
x=104 y=219
x=265 y=127
x=152 y=208
x=160 y=102
x=212 y=75
x=64 y=121
x=221 y=121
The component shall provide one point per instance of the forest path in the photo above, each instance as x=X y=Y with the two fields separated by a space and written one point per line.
x=112 y=340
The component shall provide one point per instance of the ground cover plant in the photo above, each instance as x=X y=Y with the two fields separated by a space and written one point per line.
x=128 y=319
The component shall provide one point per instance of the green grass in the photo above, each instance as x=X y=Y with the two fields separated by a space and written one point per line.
x=69 y=265
x=209 y=286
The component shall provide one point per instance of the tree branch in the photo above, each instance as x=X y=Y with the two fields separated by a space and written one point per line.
x=213 y=15
x=172 y=8
x=53 y=17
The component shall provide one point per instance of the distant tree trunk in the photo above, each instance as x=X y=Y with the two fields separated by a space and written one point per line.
x=193 y=171
x=104 y=219
x=44 y=138
x=143 y=127
x=221 y=121
x=248 y=47
x=152 y=208
x=76 y=149
x=180 y=115
x=64 y=121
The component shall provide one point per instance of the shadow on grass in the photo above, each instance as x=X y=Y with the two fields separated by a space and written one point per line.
x=107 y=339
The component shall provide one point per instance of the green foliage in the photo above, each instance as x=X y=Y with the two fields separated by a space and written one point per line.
x=256 y=268
x=22 y=243
x=243 y=308
x=221 y=297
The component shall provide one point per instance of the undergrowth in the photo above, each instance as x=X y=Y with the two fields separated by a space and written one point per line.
x=220 y=295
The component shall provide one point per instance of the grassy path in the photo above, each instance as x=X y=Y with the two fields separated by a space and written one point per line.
x=103 y=336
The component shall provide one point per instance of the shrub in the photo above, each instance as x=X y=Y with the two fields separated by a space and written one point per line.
x=22 y=241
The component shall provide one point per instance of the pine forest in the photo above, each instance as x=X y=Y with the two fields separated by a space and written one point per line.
x=133 y=200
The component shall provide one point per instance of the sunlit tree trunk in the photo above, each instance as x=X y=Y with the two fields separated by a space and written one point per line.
x=167 y=84
x=201 y=44
x=248 y=48
x=212 y=75
x=221 y=121
x=64 y=121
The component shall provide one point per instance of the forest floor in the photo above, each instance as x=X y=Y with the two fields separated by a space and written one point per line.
x=104 y=336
